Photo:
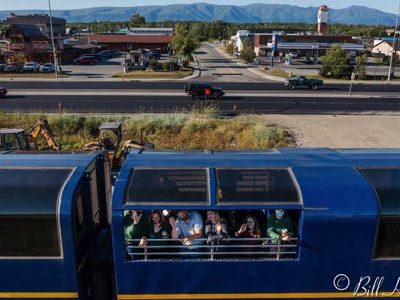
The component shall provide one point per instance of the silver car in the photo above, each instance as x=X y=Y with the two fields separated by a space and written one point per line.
x=47 y=68
x=31 y=67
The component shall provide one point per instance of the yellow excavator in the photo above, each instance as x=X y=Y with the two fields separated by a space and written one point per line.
x=110 y=140
x=19 y=139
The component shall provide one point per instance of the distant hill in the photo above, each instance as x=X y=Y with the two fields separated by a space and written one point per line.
x=252 y=13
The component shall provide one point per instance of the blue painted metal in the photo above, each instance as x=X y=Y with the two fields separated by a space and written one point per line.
x=42 y=275
x=338 y=223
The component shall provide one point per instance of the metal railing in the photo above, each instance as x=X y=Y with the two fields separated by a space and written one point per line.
x=225 y=249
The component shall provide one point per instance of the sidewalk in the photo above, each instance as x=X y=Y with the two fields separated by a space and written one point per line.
x=254 y=69
x=91 y=78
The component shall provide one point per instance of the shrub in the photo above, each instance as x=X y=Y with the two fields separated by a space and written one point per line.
x=166 y=66
x=167 y=131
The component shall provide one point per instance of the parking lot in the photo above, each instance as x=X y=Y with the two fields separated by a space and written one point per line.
x=104 y=69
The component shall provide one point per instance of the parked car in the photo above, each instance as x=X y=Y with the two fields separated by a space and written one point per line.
x=302 y=81
x=47 y=68
x=13 y=68
x=115 y=53
x=95 y=56
x=85 y=60
x=154 y=54
x=203 y=90
x=3 y=92
x=31 y=67
x=105 y=54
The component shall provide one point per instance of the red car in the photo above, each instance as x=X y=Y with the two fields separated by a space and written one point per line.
x=3 y=92
x=85 y=60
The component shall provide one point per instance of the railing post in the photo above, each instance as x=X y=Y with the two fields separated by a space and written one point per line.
x=212 y=250
x=278 y=254
x=145 y=252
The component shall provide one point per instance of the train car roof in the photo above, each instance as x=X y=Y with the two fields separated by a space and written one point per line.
x=37 y=159
x=281 y=156
x=321 y=176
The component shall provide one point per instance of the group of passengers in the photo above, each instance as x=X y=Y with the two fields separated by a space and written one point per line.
x=190 y=229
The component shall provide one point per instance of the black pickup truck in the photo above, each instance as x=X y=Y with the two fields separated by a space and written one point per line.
x=301 y=81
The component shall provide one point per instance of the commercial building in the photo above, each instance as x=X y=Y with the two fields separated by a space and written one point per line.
x=27 y=39
x=305 y=44
x=150 y=31
x=42 y=22
x=132 y=42
x=300 y=42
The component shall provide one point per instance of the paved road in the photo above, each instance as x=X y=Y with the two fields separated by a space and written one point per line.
x=15 y=87
x=252 y=104
x=216 y=67
x=244 y=90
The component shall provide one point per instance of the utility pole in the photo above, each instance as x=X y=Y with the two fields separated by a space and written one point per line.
x=52 y=43
x=394 y=46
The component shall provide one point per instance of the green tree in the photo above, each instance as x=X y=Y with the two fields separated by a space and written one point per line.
x=20 y=58
x=334 y=63
x=361 y=66
x=185 y=43
x=396 y=60
x=137 y=21
x=247 y=52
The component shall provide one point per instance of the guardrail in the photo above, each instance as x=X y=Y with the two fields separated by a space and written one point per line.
x=238 y=248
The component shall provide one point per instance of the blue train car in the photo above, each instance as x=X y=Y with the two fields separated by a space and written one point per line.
x=54 y=212
x=344 y=207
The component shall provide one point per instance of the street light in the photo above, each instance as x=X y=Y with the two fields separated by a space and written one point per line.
x=394 y=46
x=52 y=43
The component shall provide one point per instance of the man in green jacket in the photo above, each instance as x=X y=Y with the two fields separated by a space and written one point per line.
x=279 y=226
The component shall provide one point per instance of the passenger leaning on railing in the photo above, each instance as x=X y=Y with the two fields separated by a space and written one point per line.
x=157 y=228
x=137 y=229
x=189 y=228
x=216 y=230
x=249 y=230
x=279 y=227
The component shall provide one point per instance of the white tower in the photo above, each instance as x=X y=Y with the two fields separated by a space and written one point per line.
x=323 y=19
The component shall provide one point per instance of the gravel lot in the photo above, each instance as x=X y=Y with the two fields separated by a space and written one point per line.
x=376 y=131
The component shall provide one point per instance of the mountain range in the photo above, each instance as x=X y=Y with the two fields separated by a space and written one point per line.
x=251 y=13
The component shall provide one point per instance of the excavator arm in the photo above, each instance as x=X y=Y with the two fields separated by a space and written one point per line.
x=42 y=127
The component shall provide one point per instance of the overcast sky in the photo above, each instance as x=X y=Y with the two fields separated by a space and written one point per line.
x=384 y=5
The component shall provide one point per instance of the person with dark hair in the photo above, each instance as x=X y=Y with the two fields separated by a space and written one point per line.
x=157 y=228
x=188 y=227
x=216 y=229
x=136 y=231
x=250 y=230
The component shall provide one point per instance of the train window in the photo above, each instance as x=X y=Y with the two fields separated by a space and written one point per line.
x=256 y=185
x=28 y=212
x=386 y=183
x=168 y=186
x=224 y=234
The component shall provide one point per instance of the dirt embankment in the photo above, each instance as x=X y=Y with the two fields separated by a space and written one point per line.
x=379 y=131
